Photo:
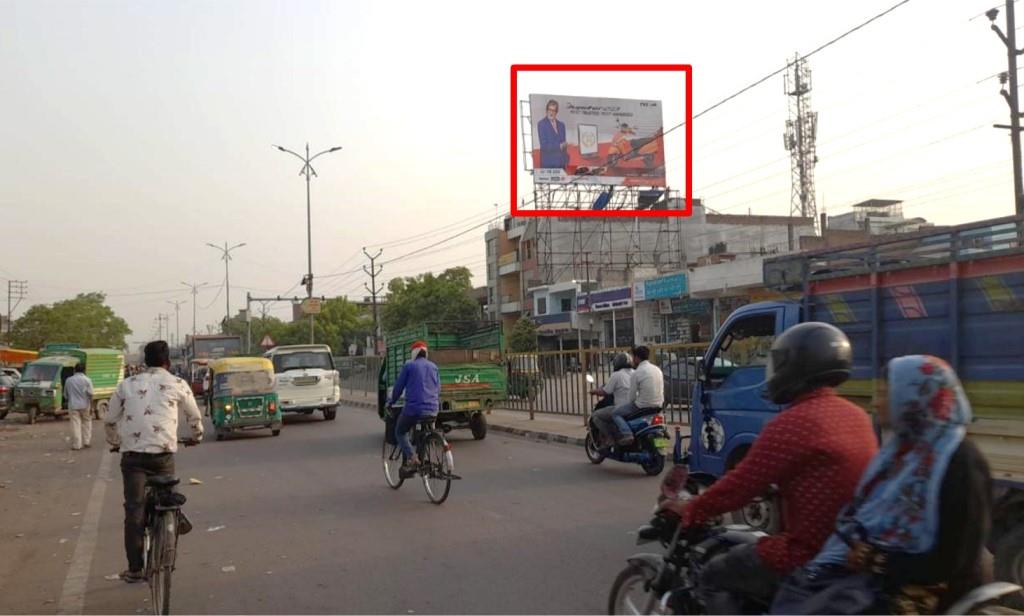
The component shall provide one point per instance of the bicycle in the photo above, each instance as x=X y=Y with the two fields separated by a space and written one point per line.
x=436 y=461
x=165 y=522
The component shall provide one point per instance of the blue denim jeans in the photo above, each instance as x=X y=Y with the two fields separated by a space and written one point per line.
x=619 y=417
x=403 y=427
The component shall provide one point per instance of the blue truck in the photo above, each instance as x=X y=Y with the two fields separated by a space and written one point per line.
x=956 y=293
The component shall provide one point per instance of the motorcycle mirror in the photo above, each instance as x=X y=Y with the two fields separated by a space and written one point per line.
x=590 y=378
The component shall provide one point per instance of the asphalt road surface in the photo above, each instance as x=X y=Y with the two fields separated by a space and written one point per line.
x=304 y=523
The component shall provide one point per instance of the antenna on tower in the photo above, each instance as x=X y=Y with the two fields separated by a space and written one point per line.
x=801 y=135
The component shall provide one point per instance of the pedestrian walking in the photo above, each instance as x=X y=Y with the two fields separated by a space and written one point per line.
x=79 y=392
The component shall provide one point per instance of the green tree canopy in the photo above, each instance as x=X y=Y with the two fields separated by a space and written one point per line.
x=84 y=320
x=339 y=324
x=429 y=297
x=523 y=338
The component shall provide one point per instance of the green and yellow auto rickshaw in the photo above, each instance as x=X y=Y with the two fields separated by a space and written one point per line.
x=243 y=396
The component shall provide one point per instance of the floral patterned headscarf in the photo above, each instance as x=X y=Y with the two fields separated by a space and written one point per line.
x=896 y=506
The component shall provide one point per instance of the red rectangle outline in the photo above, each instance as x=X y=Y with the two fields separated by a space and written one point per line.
x=686 y=211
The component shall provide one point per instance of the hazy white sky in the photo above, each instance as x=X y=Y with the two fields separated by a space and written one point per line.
x=135 y=132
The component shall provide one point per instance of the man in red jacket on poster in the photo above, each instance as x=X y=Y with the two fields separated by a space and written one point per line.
x=815 y=451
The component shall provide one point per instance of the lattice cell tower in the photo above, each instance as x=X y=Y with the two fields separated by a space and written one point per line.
x=800 y=137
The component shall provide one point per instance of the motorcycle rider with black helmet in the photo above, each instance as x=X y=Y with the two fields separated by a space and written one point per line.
x=616 y=394
x=815 y=451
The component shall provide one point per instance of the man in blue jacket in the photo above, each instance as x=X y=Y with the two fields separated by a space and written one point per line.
x=421 y=383
x=551 y=133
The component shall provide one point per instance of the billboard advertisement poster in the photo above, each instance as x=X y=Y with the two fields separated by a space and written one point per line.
x=604 y=141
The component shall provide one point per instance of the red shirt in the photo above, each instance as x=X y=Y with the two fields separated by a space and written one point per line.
x=815 y=451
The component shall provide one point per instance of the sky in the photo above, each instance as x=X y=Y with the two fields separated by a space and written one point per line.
x=134 y=133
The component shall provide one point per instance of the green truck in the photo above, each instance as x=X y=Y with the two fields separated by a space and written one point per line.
x=41 y=388
x=470 y=360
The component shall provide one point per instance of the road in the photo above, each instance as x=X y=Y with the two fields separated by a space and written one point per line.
x=304 y=523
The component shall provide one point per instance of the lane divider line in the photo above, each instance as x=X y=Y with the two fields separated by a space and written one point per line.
x=72 y=598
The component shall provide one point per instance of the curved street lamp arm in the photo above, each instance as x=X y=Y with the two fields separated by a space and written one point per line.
x=299 y=156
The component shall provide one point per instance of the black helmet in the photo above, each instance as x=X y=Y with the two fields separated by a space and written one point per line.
x=806 y=357
x=620 y=361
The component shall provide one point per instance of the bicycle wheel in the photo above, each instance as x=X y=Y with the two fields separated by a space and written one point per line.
x=163 y=552
x=437 y=468
x=391 y=456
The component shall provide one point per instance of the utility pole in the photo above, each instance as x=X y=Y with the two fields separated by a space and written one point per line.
x=374 y=271
x=177 y=322
x=308 y=171
x=16 y=290
x=162 y=318
x=1010 y=40
x=227 y=281
x=195 y=286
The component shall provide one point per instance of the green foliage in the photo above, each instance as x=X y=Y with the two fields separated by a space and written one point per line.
x=523 y=338
x=429 y=297
x=339 y=324
x=84 y=320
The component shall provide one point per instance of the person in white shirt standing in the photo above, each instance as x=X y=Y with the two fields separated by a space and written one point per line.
x=142 y=422
x=79 y=392
x=646 y=394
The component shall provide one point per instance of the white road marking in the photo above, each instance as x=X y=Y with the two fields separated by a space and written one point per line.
x=72 y=598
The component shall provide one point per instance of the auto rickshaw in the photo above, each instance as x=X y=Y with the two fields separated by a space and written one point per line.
x=243 y=395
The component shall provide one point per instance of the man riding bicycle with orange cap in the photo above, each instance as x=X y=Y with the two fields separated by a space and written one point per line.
x=421 y=383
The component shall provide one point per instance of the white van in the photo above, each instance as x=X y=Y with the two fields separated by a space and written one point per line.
x=305 y=379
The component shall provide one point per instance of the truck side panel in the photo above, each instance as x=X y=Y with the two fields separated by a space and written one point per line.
x=916 y=316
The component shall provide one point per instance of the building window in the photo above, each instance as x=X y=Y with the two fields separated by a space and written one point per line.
x=490 y=295
x=542 y=305
x=527 y=248
x=566 y=304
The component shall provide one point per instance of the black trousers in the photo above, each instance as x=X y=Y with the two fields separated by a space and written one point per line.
x=730 y=579
x=135 y=467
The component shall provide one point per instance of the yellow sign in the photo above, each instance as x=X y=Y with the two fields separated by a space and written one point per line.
x=311 y=306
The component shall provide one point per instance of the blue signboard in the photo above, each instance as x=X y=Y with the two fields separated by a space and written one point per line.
x=665 y=287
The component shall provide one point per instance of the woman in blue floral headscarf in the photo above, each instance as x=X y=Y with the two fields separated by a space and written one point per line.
x=911 y=539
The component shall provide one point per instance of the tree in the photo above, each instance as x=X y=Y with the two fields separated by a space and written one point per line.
x=339 y=323
x=523 y=338
x=423 y=298
x=84 y=320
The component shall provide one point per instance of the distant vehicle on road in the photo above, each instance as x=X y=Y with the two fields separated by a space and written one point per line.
x=41 y=388
x=13 y=373
x=306 y=379
x=6 y=394
x=681 y=375
x=243 y=396
x=468 y=354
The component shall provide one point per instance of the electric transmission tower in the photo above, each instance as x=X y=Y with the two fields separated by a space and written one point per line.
x=800 y=137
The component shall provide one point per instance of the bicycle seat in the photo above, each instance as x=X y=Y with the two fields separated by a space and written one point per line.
x=426 y=422
x=162 y=481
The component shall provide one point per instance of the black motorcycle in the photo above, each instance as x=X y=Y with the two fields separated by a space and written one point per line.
x=667 y=583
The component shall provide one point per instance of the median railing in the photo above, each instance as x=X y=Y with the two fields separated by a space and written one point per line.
x=555 y=381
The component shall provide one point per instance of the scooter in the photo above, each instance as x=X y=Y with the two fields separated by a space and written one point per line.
x=650 y=443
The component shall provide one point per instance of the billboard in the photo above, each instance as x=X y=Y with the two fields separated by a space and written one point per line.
x=605 y=141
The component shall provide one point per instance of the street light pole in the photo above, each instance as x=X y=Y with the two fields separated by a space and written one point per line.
x=308 y=171
x=177 y=321
x=195 y=286
x=227 y=281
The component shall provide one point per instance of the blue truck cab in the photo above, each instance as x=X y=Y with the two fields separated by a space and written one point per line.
x=955 y=293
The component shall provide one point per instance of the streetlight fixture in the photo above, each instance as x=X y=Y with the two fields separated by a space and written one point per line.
x=307 y=170
x=227 y=281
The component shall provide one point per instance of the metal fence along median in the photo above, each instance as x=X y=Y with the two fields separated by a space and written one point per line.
x=555 y=381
